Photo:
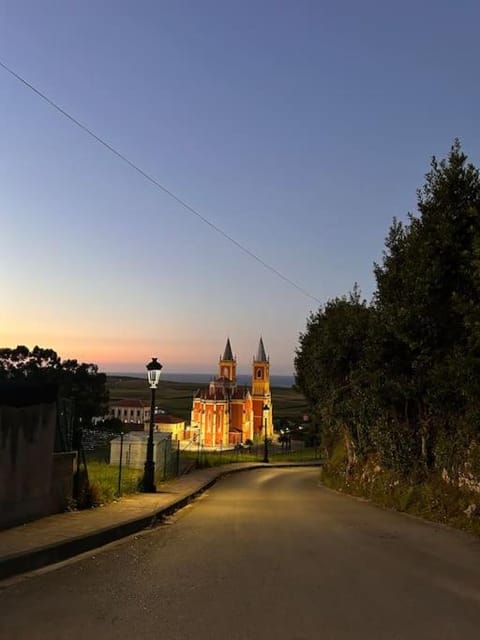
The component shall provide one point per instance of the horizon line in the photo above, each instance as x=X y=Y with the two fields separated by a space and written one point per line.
x=185 y=373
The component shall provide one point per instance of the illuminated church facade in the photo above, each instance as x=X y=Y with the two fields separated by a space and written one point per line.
x=224 y=413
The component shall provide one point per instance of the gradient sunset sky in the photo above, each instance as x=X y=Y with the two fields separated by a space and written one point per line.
x=300 y=128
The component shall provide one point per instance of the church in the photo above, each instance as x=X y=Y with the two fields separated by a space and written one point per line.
x=226 y=414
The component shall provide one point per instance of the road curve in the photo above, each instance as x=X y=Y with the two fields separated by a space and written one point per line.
x=267 y=554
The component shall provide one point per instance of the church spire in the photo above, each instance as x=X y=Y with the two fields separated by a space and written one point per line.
x=261 y=395
x=228 y=365
x=227 y=354
x=261 y=355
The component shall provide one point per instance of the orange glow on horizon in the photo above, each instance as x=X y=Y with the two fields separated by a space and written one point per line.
x=128 y=354
x=113 y=351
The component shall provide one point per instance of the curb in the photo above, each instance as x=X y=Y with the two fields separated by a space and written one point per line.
x=51 y=554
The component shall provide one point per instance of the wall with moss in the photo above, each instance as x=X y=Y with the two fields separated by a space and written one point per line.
x=448 y=496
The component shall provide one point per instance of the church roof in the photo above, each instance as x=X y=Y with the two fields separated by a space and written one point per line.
x=261 y=355
x=227 y=354
x=212 y=394
x=164 y=418
x=222 y=395
x=239 y=393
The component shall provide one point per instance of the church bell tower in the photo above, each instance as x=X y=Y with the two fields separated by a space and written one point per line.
x=261 y=395
x=227 y=365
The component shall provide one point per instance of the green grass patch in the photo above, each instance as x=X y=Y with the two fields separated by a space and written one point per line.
x=103 y=479
x=99 y=454
x=204 y=458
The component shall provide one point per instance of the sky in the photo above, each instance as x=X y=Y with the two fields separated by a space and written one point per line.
x=300 y=128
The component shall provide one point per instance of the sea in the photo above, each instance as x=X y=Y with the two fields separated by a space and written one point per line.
x=204 y=378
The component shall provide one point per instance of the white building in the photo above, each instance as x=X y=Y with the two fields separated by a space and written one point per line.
x=130 y=410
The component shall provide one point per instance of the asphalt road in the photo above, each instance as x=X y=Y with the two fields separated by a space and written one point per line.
x=268 y=554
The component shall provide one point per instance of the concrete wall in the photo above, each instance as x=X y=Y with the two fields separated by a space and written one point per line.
x=34 y=481
x=26 y=445
x=63 y=468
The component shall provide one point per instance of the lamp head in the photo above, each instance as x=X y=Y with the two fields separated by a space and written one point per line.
x=154 y=369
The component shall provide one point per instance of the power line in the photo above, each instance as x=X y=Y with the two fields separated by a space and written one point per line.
x=151 y=179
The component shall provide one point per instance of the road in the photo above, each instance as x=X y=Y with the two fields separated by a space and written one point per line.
x=267 y=554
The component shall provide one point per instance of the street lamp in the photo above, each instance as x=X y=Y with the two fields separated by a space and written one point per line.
x=153 y=373
x=265 y=441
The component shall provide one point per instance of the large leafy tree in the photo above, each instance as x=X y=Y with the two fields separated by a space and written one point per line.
x=81 y=382
x=428 y=298
x=329 y=370
x=407 y=368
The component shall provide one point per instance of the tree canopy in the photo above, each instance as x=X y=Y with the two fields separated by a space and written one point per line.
x=400 y=376
x=81 y=382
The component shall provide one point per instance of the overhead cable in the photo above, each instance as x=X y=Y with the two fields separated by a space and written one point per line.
x=154 y=181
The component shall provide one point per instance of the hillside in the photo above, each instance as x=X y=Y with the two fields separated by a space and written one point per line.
x=176 y=397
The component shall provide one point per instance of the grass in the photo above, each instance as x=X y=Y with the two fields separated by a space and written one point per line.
x=176 y=397
x=103 y=479
x=103 y=476
x=216 y=458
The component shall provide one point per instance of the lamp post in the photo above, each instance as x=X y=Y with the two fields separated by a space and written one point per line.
x=153 y=373
x=265 y=441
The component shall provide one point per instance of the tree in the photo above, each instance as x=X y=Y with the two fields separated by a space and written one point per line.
x=328 y=367
x=401 y=378
x=427 y=297
x=80 y=381
x=113 y=425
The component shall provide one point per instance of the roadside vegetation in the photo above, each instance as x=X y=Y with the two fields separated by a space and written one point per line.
x=299 y=453
x=394 y=384
x=103 y=482
x=176 y=398
x=103 y=478
x=78 y=382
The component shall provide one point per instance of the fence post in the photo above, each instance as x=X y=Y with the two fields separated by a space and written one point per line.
x=165 y=459
x=119 y=492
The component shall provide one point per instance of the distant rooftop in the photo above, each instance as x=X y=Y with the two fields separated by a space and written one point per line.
x=128 y=402
x=165 y=418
